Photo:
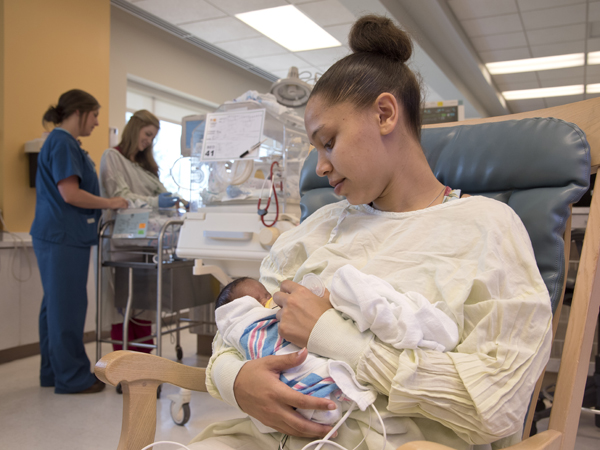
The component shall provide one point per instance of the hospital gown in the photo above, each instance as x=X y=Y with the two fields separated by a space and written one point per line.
x=120 y=177
x=472 y=254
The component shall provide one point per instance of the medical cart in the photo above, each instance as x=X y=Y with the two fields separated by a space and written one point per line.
x=152 y=278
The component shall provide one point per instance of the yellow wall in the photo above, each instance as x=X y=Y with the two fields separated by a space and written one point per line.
x=48 y=47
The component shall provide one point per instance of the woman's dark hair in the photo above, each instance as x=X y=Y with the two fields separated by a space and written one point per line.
x=131 y=134
x=227 y=294
x=68 y=103
x=377 y=65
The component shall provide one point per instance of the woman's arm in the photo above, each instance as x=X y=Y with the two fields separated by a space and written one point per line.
x=71 y=194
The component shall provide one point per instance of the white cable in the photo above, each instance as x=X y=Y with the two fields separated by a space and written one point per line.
x=326 y=441
x=165 y=442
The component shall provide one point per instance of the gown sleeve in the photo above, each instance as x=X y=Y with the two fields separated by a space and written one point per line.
x=482 y=389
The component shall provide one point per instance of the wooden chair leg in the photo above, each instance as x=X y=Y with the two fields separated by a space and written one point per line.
x=139 y=414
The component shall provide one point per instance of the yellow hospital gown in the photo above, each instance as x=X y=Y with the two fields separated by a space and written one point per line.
x=472 y=254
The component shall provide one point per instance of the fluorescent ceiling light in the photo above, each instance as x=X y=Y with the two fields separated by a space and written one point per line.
x=287 y=26
x=543 y=92
x=592 y=89
x=593 y=58
x=535 y=64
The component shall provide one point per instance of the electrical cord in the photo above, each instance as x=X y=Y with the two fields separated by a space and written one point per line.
x=19 y=245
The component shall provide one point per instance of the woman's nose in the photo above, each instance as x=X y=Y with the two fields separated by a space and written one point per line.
x=323 y=165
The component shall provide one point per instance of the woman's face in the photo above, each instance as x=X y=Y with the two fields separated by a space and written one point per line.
x=89 y=123
x=146 y=137
x=350 y=147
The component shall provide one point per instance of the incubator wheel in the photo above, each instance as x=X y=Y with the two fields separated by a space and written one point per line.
x=179 y=351
x=180 y=416
x=119 y=389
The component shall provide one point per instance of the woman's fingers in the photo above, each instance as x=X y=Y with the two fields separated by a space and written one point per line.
x=261 y=394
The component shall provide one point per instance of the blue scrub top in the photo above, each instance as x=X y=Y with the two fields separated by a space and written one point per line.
x=55 y=220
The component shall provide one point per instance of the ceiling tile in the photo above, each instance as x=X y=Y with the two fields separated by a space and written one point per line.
x=556 y=34
x=515 y=78
x=575 y=74
x=492 y=25
x=503 y=87
x=505 y=55
x=327 y=12
x=530 y=5
x=181 y=11
x=562 y=48
x=569 y=81
x=340 y=32
x=220 y=30
x=553 y=17
x=593 y=72
x=532 y=104
x=559 y=101
x=277 y=62
x=499 y=41
x=249 y=48
x=594 y=11
x=323 y=57
x=473 y=9
x=593 y=45
x=241 y=6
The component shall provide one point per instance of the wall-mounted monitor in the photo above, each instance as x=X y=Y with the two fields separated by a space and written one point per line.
x=442 y=112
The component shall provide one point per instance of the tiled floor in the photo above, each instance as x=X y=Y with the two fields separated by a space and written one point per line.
x=34 y=418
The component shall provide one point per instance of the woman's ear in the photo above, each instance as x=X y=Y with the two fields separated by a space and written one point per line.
x=388 y=112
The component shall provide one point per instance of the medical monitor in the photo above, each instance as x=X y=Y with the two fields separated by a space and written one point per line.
x=188 y=125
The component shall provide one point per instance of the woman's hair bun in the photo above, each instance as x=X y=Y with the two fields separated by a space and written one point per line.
x=378 y=34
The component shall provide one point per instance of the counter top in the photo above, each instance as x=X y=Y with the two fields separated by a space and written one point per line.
x=11 y=240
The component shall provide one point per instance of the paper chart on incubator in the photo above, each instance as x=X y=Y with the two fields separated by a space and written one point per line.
x=229 y=134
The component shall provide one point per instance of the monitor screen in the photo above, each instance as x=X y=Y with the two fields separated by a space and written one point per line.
x=189 y=124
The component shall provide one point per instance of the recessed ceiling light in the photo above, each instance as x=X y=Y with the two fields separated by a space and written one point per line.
x=535 y=64
x=543 y=92
x=287 y=26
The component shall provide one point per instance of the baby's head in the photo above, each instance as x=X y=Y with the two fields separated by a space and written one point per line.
x=241 y=287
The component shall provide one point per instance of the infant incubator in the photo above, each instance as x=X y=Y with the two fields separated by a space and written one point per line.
x=245 y=162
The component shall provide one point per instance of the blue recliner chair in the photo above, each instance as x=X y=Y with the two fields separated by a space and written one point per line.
x=539 y=167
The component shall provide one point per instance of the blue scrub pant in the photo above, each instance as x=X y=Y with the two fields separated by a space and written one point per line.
x=64 y=273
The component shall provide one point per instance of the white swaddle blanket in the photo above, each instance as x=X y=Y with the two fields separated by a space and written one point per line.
x=405 y=321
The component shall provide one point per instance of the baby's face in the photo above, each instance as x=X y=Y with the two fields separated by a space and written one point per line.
x=254 y=289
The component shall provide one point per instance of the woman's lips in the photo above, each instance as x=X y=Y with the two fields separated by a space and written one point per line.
x=338 y=187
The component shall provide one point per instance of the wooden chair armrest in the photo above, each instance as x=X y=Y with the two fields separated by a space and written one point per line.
x=140 y=374
x=126 y=366
x=546 y=440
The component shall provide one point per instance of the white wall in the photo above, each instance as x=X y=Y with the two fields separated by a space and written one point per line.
x=144 y=51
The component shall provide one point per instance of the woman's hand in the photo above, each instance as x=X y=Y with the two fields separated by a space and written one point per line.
x=117 y=203
x=260 y=393
x=300 y=311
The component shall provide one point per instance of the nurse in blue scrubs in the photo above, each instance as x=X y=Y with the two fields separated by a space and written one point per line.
x=65 y=227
